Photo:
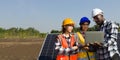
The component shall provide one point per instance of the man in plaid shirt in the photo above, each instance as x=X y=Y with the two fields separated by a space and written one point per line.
x=109 y=49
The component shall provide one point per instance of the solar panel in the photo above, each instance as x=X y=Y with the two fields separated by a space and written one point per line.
x=48 y=49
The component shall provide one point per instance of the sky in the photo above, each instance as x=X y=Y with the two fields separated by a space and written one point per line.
x=45 y=15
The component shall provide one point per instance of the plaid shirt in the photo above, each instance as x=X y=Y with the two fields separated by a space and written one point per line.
x=61 y=50
x=110 y=45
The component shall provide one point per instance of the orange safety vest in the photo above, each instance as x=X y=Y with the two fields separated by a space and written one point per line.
x=65 y=45
x=64 y=41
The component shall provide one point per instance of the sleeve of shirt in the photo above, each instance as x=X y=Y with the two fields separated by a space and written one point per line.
x=58 y=46
x=112 y=37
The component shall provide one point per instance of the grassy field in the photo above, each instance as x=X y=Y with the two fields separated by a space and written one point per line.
x=17 y=49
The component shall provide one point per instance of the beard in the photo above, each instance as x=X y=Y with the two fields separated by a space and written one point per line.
x=99 y=22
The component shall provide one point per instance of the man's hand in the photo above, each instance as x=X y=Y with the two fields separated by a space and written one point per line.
x=75 y=48
x=85 y=45
x=86 y=48
x=98 y=44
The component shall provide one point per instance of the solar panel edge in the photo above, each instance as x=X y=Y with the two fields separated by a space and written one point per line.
x=42 y=47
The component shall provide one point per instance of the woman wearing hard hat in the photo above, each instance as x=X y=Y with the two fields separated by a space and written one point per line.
x=66 y=44
x=83 y=53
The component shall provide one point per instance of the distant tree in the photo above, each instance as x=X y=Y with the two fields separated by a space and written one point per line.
x=94 y=28
x=42 y=35
x=20 y=33
x=31 y=31
x=118 y=26
x=2 y=30
x=76 y=29
x=12 y=31
x=55 y=31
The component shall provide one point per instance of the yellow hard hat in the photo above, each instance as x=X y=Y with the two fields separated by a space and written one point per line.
x=68 y=21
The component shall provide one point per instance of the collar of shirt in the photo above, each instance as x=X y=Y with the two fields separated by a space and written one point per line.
x=66 y=36
x=103 y=25
x=83 y=33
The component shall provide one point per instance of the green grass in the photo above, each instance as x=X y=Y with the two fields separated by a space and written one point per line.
x=21 y=33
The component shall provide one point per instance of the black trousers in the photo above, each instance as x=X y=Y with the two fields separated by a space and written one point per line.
x=116 y=57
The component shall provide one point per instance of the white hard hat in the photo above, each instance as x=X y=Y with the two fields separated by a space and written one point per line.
x=96 y=11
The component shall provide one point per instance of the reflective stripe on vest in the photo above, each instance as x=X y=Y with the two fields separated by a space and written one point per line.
x=64 y=41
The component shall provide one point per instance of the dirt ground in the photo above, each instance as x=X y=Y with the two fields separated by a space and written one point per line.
x=20 y=49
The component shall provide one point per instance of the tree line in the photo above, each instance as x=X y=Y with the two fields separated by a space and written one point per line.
x=76 y=29
x=21 y=33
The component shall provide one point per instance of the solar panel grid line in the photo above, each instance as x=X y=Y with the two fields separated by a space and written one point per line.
x=51 y=48
x=45 y=54
x=53 y=54
x=42 y=46
x=45 y=46
x=52 y=45
x=48 y=46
